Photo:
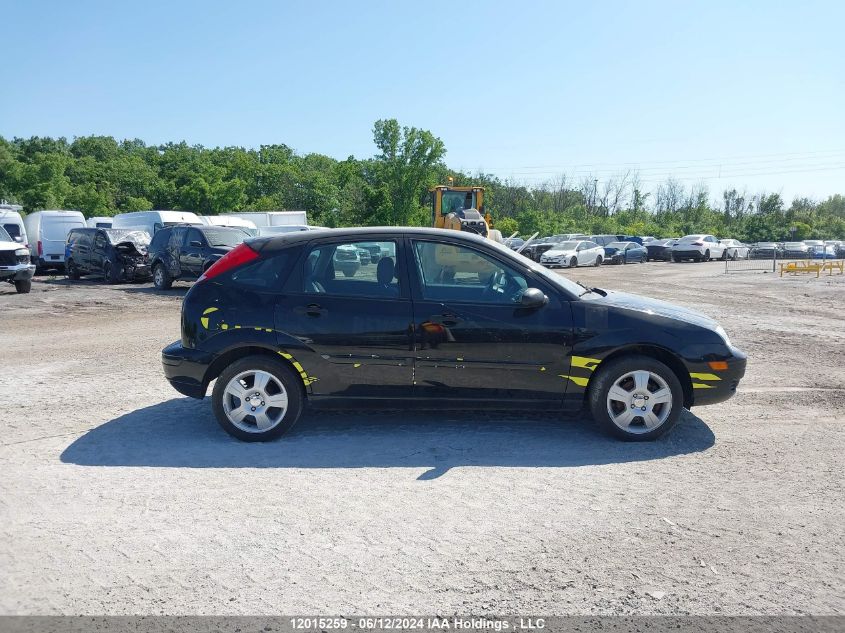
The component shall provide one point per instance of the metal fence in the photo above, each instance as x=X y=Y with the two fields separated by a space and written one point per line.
x=754 y=262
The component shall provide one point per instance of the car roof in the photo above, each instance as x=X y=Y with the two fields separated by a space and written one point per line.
x=369 y=234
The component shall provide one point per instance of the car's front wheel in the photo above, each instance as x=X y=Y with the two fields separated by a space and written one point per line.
x=598 y=261
x=636 y=398
x=573 y=262
x=23 y=286
x=707 y=255
x=257 y=399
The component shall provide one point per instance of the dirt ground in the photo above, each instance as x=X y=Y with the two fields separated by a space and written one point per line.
x=118 y=496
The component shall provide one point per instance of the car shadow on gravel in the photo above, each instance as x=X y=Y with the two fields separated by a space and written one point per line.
x=182 y=432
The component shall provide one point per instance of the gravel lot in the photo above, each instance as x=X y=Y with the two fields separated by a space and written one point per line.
x=118 y=496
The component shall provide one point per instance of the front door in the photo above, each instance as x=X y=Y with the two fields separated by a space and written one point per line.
x=348 y=322
x=193 y=253
x=473 y=339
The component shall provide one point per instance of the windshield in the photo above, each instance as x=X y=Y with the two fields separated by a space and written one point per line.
x=4 y=236
x=617 y=245
x=222 y=237
x=566 y=246
x=553 y=278
x=795 y=245
x=116 y=236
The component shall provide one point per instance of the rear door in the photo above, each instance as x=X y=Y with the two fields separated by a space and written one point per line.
x=473 y=340
x=54 y=230
x=353 y=334
x=174 y=251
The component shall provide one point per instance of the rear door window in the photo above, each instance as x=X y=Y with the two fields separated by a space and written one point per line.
x=338 y=269
x=267 y=273
x=13 y=230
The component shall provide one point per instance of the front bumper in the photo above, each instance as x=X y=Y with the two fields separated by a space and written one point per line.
x=20 y=272
x=710 y=386
x=185 y=369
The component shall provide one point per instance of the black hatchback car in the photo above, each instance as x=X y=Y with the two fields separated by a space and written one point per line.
x=116 y=254
x=186 y=252
x=446 y=319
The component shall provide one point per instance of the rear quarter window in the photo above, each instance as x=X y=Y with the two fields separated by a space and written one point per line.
x=268 y=273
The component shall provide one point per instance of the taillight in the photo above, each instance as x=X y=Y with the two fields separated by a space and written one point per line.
x=238 y=256
x=698 y=243
x=40 y=251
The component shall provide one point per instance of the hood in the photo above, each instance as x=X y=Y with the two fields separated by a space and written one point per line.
x=12 y=246
x=647 y=305
x=610 y=250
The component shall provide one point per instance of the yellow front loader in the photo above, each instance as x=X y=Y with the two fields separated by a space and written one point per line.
x=461 y=209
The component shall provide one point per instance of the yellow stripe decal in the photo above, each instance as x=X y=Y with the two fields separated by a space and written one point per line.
x=586 y=363
x=578 y=380
x=306 y=379
x=204 y=317
x=701 y=385
x=704 y=376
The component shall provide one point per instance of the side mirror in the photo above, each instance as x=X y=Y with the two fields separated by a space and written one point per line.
x=196 y=243
x=533 y=298
x=18 y=238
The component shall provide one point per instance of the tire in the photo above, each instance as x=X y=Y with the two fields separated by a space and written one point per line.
x=72 y=271
x=622 y=376
x=598 y=261
x=707 y=255
x=161 y=278
x=725 y=255
x=573 y=263
x=23 y=286
x=111 y=273
x=735 y=256
x=241 y=376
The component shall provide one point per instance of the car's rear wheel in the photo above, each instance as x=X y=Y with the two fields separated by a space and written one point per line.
x=707 y=255
x=573 y=262
x=71 y=270
x=636 y=398
x=23 y=286
x=161 y=278
x=598 y=261
x=257 y=399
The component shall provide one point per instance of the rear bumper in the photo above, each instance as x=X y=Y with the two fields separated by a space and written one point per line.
x=185 y=369
x=711 y=386
x=687 y=254
x=20 y=272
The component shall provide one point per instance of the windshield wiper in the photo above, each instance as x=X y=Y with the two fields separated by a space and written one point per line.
x=587 y=289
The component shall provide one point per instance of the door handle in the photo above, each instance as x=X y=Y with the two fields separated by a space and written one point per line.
x=312 y=310
x=448 y=319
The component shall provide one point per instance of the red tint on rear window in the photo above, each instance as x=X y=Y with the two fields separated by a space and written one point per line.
x=238 y=256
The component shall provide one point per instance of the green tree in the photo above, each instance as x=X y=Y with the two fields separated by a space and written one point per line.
x=408 y=157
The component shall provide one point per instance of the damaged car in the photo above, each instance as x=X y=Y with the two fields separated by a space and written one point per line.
x=15 y=266
x=115 y=254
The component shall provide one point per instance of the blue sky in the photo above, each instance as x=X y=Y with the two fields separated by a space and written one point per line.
x=746 y=94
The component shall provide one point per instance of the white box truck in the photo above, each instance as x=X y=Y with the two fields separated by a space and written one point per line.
x=271 y=218
x=47 y=233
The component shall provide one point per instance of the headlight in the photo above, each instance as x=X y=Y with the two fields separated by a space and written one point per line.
x=721 y=332
x=22 y=252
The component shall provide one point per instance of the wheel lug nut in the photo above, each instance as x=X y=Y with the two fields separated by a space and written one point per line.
x=253 y=408
x=247 y=398
x=262 y=403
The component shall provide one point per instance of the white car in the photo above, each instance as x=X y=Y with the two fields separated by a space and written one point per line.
x=735 y=249
x=15 y=265
x=699 y=247
x=573 y=253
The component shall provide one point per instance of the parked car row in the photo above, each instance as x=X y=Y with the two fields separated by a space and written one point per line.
x=808 y=249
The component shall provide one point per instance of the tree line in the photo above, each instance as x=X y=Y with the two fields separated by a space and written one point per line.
x=101 y=176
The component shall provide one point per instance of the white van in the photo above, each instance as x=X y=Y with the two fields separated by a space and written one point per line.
x=230 y=220
x=152 y=221
x=13 y=223
x=99 y=222
x=271 y=218
x=47 y=232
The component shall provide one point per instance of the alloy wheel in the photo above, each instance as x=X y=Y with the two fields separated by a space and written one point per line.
x=255 y=401
x=639 y=401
